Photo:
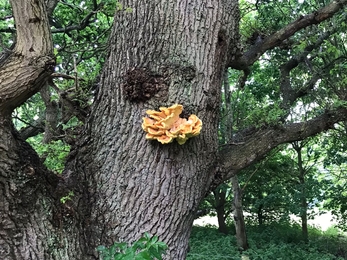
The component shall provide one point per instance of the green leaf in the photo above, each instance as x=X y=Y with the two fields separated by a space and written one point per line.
x=144 y=255
x=154 y=239
x=156 y=252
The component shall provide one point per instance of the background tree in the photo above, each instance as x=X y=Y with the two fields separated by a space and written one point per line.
x=248 y=103
x=334 y=166
x=159 y=53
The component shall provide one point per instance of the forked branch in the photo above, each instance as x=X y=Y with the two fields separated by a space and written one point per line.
x=262 y=45
x=255 y=146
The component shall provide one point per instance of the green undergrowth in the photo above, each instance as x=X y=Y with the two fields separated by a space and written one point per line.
x=275 y=241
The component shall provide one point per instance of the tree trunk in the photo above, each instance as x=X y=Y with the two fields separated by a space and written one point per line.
x=260 y=215
x=30 y=218
x=303 y=201
x=304 y=225
x=239 y=220
x=220 y=200
x=161 y=53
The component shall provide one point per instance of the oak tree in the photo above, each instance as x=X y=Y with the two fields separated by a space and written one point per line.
x=159 y=53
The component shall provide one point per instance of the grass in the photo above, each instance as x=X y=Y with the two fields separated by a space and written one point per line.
x=270 y=242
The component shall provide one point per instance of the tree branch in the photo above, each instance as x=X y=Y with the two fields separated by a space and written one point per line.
x=288 y=93
x=51 y=5
x=7 y=30
x=65 y=76
x=31 y=62
x=32 y=129
x=233 y=158
x=270 y=42
x=84 y=23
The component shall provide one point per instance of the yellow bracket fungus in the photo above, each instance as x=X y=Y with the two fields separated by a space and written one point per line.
x=166 y=125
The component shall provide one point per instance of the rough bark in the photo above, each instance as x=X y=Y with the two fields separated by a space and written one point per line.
x=31 y=61
x=164 y=52
x=31 y=221
x=173 y=51
x=27 y=197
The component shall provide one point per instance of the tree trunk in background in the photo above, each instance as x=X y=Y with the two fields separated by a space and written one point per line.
x=51 y=115
x=304 y=225
x=220 y=203
x=239 y=220
x=260 y=215
x=161 y=53
x=303 y=202
x=241 y=236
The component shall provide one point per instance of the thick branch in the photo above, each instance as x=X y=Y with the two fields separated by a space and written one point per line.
x=26 y=69
x=236 y=156
x=270 y=42
x=33 y=33
x=32 y=129
x=51 y=5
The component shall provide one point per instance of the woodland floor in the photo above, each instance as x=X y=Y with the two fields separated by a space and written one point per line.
x=276 y=241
